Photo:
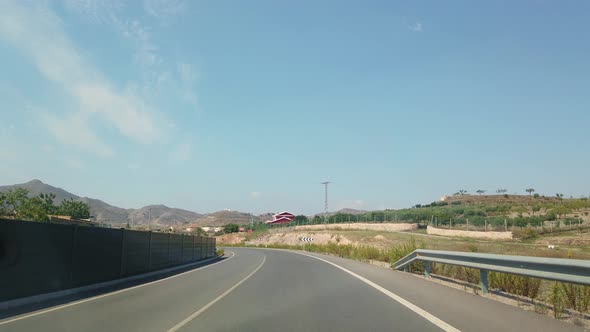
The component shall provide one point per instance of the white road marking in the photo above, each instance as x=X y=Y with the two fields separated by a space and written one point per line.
x=426 y=315
x=208 y=305
x=108 y=294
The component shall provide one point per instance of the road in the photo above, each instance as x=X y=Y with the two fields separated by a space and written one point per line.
x=272 y=290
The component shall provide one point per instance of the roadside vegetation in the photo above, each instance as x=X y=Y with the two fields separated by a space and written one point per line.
x=527 y=216
x=560 y=299
x=18 y=204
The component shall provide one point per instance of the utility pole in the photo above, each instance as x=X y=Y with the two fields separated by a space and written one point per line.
x=326 y=200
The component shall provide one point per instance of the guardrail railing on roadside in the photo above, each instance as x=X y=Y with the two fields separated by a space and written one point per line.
x=575 y=271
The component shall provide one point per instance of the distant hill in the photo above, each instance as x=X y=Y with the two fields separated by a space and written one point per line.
x=162 y=215
x=343 y=211
x=36 y=187
x=220 y=218
x=107 y=213
x=497 y=199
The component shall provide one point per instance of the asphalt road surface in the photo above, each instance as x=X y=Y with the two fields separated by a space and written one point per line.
x=272 y=290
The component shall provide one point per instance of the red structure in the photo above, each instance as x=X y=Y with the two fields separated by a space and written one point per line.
x=281 y=218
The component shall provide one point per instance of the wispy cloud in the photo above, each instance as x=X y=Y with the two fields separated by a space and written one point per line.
x=38 y=33
x=416 y=27
x=74 y=130
x=255 y=194
x=157 y=73
x=164 y=10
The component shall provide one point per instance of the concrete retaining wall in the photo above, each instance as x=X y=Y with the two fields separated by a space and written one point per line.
x=470 y=234
x=385 y=227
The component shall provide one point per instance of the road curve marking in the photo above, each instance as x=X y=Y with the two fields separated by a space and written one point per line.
x=208 y=305
x=108 y=294
x=425 y=314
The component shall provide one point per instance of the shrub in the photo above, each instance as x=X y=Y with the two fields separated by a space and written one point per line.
x=519 y=285
x=525 y=233
x=575 y=296
x=556 y=301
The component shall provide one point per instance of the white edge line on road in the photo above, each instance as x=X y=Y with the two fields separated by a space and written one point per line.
x=107 y=294
x=425 y=314
x=208 y=305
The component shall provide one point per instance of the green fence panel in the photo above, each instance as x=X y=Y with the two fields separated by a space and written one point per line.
x=159 y=251
x=34 y=258
x=187 y=248
x=97 y=255
x=175 y=256
x=136 y=246
x=197 y=248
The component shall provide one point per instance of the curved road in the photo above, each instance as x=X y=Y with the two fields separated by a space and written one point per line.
x=272 y=290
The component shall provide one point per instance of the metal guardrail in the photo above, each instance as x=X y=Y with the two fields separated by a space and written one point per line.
x=575 y=271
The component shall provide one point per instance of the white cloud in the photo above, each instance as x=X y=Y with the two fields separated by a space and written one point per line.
x=38 y=33
x=74 y=130
x=416 y=27
x=157 y=73
x=255 y=194
x=181 y=153
x=96 y=10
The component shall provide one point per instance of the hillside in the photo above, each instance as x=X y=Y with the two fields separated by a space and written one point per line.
x=499 y=199
x=106 y=213
x=162 y=215
x=343 y=211
x=36 y=187
x=221 y=218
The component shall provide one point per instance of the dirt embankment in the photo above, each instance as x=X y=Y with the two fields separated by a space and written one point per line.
x=294 y=238
x=470 y=234
x=230 y=239
x=385 y=227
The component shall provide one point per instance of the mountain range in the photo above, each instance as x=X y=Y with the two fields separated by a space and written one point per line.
x=151 y=214
x=106 y=213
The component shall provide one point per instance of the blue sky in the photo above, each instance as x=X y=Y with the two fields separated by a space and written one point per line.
x=249 y=105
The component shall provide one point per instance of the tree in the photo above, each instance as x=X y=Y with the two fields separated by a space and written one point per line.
x=462 y=192
x=560 y=211
x=74 y=209
x=501 y=191
x=13 y=200
x=231 y=228
x=480 y=192
x=301 y=220
x=47 y=202
x=530 y=191
x=33 y=208
x=560 y=196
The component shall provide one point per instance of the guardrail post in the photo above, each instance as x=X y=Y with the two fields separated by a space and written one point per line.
x=483 y=280
x=427 y=269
